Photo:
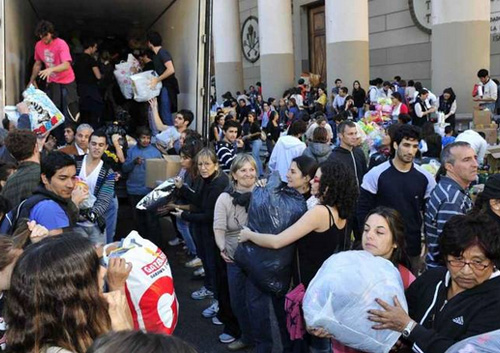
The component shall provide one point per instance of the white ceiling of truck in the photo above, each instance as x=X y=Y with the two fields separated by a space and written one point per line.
x=103 y=17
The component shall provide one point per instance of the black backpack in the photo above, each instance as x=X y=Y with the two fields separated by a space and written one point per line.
x=22 y=211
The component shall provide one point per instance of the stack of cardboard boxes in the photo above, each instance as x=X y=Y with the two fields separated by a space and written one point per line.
x=160 y=169
x=482 y=123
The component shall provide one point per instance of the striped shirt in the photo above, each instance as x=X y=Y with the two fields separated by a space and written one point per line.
x=225 y=154
x=448 y=199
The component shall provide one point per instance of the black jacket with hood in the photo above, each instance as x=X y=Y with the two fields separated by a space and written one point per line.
x=355 y=160
x=442 y=322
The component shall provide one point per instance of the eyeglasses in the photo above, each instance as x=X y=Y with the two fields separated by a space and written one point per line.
x=474 y=265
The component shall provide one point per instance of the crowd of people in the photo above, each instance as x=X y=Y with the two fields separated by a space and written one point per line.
x=59 y=203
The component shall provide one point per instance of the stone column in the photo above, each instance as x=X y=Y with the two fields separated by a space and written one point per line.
x=276 y=47
x=460 y=47
x=227 y=47
x=347 y=55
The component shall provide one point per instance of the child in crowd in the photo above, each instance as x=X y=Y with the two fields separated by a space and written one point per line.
x=448 y=136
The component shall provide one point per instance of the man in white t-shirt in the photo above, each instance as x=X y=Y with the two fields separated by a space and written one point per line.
x=489 y=95
x=476 y=141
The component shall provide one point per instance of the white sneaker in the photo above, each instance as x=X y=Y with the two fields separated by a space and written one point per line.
x=196 y=262
x=202 y=293
x=211 y=311
x=174 y=242
x=226 y=338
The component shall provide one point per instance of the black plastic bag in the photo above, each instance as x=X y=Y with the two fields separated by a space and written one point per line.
x=272 y=210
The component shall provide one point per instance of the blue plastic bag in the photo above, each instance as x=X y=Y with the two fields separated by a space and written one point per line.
x=272 y=209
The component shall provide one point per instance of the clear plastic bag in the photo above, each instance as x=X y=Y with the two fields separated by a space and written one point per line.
x=485 y=343
x=342 y=292
x=272 y=209
x=140 y=85
x=122 y=73
x=44 y=115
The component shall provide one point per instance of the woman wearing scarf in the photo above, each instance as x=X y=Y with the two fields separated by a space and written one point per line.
x=231 y=213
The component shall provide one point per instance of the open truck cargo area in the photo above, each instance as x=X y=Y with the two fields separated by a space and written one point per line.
x=181 y=23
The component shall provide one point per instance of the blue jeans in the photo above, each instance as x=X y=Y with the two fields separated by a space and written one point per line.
x=490 y=106
x=183 y=228
x=164 y=108
x=111 y=216
x=256 y=145
x=361 y=113
x=246 y=298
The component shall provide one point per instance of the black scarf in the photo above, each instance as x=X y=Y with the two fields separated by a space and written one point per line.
x=242 y=199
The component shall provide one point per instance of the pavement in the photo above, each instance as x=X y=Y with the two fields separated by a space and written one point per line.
x=191 y=327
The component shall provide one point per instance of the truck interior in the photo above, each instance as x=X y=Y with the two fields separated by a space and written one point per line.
x=182 y=24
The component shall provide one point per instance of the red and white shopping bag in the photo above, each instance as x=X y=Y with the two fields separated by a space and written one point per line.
x=150 y=286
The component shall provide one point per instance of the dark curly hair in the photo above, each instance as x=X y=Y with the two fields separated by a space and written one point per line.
x=463 y=231
x=338 y=188
x=45 y=27
x=21 y=144
x=55 y=298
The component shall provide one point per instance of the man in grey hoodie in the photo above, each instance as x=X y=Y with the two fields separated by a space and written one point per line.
x=319 y=148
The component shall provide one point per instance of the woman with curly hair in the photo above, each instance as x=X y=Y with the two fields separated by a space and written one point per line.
x=320 y=232
x=55 y=301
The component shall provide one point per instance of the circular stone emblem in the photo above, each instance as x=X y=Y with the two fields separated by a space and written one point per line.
x=250 y=39
x=421 y=14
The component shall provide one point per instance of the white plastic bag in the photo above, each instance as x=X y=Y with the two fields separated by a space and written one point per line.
x=342 y=292
x=44 y=115
x=123 y=71
x=140 y=85
x=484 y=343
x=149 y=287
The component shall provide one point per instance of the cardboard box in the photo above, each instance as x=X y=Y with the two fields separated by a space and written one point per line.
x=493 y=158
x=161 y=169
x=481 y=117
x=491 y=135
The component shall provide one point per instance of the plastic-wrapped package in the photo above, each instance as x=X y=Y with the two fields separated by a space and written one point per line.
x=160 y=196
x=122 y=73
x=44 y=115
x=140 y=85
x=149 y=286
x=272 y=209
x=91 y=199
x=344 y=289
x=485 y=343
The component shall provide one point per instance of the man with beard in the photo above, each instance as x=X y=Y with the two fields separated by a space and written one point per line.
x=400 y=184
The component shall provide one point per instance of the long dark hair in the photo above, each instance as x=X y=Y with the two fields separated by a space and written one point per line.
x=338 y=188
x=55 y=298
x=397 y=228
x=139 y=342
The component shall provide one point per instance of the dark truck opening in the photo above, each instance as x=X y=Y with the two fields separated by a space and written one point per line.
x=182 y=24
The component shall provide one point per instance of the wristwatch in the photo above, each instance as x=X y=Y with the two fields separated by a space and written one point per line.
x=407 y=330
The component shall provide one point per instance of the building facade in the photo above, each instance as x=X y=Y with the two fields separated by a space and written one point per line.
x=440 y=43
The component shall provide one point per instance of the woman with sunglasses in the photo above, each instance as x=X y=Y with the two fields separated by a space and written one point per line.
x=450 y=303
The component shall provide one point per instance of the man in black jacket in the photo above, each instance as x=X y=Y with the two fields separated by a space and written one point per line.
x=348 y=153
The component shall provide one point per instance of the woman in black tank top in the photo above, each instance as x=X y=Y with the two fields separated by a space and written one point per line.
x=319 y=233
x=322 y=231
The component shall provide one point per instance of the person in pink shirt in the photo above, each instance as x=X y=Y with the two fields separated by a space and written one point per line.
x=53 y=53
